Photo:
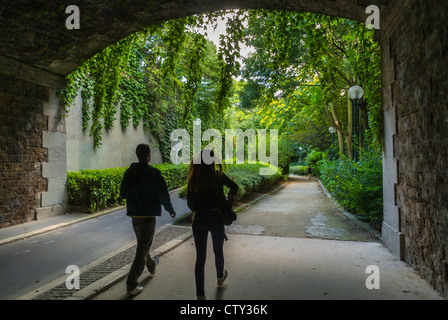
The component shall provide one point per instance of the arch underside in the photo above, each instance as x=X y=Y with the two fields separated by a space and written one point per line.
x=35 y=34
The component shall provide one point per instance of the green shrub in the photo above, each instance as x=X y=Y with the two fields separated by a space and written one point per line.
x=248 y=178
x=299 y=170
x=314 y=158
x=175 y=174
x=94 y=189
x=100 y=188
x=358 y=186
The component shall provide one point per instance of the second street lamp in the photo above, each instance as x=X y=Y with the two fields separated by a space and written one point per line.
x=332 y=131
x=355 y=93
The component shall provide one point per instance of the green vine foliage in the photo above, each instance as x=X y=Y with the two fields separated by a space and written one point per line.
x=169 y=74
x=160 y=76
x=99 y=79
x=229 y=52
x=194 y=71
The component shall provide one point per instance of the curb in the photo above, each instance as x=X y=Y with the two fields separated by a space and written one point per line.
x=58 y=225
x=64 y=224
x=246 y=205
x=105 y=283
x=48 y=286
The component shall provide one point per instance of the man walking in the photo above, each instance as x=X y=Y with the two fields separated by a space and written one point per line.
x=145 y=190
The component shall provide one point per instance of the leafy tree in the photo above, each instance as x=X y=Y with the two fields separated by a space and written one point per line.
x=326 y=55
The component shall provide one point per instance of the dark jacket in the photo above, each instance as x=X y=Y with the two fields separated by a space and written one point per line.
x=145 y=190
x=211 y=198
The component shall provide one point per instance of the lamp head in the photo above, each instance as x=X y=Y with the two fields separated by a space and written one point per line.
x=355 y=93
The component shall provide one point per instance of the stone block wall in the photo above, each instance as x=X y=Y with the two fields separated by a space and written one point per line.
x=415 y=73
x=21 y=151
x=54 y=202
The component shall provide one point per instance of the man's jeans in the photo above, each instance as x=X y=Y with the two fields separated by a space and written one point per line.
x=144 y=229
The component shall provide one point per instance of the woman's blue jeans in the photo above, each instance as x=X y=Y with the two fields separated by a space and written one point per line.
x=204 y=222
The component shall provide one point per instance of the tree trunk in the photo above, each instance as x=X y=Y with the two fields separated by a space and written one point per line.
x=341 y=142
x=334 y=119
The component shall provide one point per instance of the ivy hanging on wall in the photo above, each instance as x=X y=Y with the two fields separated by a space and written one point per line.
x=99 y=79
x=155 y=75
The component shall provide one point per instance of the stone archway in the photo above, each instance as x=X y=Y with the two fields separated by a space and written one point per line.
x=35 y=34
x=37 y=51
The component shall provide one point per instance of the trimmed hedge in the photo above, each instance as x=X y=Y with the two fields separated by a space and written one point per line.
x=248 y=178
x=97 y=189
x=175 y=174
x=299 y=170
x=100 y=188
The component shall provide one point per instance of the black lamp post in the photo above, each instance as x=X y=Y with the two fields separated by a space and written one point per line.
x=332 y=131
x=355 y=93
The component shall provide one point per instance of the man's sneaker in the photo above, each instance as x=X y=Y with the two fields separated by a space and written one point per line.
x=152 y=270
x=224 y=277
x=137 y=290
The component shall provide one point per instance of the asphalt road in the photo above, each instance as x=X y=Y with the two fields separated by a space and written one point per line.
x=30 y=263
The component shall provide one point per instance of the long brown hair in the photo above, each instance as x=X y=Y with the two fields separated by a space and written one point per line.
x=203 y=176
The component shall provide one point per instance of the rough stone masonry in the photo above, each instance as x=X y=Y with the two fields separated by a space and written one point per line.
x=414 y=43
x=21 y=153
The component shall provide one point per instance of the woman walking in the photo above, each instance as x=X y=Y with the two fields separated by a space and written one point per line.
x=310 y=170
x=205 y=193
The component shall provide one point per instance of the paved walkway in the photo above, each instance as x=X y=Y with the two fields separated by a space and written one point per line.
x=292 y=244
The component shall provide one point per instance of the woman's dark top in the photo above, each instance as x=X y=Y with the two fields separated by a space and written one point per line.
x=210 y=198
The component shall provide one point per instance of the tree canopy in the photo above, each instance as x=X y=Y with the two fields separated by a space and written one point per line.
x=301 y=82
x=296 y=80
